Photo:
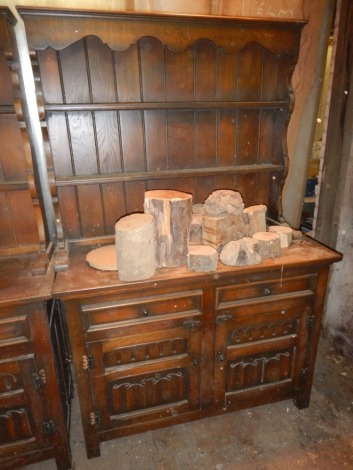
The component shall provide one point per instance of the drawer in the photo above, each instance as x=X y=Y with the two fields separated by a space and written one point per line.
x=264 y=291
x=274 y=307
x=149 y=308
x=14 y=329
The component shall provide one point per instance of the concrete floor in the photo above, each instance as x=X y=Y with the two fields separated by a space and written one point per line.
x=270 y=437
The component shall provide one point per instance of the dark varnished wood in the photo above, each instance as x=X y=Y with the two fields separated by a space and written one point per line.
x=140 y=102
x=22 y=225
x=184 y=345
x=102 y=24
x=30 y=397
x=135 y=102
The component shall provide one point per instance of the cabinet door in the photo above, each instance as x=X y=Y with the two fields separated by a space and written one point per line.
x=142 y=358
x=23 y=422
x=142 y=378
x=260 y=352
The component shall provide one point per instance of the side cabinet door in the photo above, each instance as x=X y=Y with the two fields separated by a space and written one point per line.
x=144 y=378
x=260 y=358
x=23 y=424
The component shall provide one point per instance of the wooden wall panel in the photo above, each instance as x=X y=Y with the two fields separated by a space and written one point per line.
x=156 y=140
x=179 y=75
x=7 y=235
x=113 y=203
x=152 y=69
x=132 y=140
x=108 y=142
x=247 y=136
x=181 y=140
x=69 y=212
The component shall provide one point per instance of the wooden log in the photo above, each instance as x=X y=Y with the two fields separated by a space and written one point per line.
x=255 y=218
x=202 y=258
x=269 y=244
x=136 y=247
x=171 y=211
x=284 y=232
x=221 y=229
x=242 y=252
x=223 y=201
x=103 y=258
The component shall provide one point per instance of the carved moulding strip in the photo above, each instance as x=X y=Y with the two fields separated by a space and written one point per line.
x=120 y=30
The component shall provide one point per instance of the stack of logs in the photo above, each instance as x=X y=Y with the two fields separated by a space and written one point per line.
x=173 y=232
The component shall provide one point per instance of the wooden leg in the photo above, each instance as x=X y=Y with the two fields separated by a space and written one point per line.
x=302 y=401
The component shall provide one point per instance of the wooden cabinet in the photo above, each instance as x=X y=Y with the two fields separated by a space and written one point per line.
x=136 y=102
x=34 y=408
x=182 y=345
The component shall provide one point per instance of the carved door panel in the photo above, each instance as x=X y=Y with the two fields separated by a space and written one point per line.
x=24 y=426
x=261 y=357
x=145 y=377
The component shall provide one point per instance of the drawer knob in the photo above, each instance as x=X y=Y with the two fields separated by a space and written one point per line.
x=220 y=357
x=145 y=312
x=267 y=291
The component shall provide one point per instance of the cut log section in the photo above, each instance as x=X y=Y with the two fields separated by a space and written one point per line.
x=242 y=252
x=171 y=211
x=284 y=232
x=255 y=218
x=136 y=247
x=219 y=230
x=202 y=258
x=103 y=258
x=269 y=244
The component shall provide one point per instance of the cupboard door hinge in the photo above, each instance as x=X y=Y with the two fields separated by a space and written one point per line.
x=87 y=362
x=39 y=379
x=303 y=374
x=310 y=322
x=49 y=427
x=95 y=418
x=192 y=324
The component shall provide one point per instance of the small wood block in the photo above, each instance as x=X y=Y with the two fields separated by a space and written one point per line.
x=219 y=230
x=269 y=244
x=284 y=232
x=103 y=258
x=171 y=211
x=136 y=247
x=202 y=258
x=255 y=218
x=242 y=252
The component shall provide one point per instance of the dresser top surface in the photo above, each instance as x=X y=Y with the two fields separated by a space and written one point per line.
x=18 y=284
x=80 y=279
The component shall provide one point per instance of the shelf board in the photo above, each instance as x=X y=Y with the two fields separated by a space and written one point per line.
x=164 y=174
x=164 y=105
